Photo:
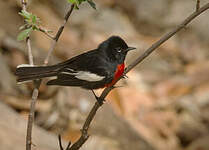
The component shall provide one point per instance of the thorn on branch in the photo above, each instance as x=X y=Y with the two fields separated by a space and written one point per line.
x=60 y=143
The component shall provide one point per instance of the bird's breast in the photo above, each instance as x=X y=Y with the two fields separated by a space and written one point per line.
x=119 y=71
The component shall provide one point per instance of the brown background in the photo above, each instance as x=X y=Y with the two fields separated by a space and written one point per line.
x=164 y=104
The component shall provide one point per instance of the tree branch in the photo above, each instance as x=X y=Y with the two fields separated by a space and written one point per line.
x=31 y=114
x=59 y=32
x=37 y=83
x=35 y=91
x=84 y=132
x=198 y=5
x=46 y=32
x=30 y=56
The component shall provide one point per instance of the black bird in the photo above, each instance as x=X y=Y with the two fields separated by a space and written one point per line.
x=94 y=69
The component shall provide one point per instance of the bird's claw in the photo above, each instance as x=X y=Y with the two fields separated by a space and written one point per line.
x=114 y=87
x=125 y=76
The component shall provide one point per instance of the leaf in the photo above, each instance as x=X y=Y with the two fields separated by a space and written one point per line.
x=25 y=14
x=92 y=4
x=73 y=1
x=34 y=19
x=24 y=34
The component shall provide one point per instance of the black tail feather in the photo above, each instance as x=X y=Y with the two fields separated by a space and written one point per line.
x=65 y=82
x=33 y=73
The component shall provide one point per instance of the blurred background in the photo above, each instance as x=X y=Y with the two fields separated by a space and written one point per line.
x=163 y=105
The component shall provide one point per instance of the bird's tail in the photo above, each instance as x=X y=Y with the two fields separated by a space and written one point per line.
x=27 y=72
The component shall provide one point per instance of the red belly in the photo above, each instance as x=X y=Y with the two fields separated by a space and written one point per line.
x=118 y=74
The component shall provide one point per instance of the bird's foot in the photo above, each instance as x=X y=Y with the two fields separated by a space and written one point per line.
x=125 y=76
x=119 y=86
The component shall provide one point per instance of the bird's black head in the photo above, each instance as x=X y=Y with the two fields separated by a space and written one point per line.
x=115 y=48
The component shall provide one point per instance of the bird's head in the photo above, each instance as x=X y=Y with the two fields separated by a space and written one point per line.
x=115 y=48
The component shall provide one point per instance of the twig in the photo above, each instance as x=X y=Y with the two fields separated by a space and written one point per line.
x=30 y=55
x=198 y=5
x=31 y=114
x=60 y=143
x=24 y=4
x=46 y=32
x=35 y=91
x=38 y=82
x=56 y=38
x=84 y=132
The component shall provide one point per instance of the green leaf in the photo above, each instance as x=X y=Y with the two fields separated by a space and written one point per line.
x=24 y=34
x=34 y=19
x=92 y=4
x=73 y=1
x=25 y=14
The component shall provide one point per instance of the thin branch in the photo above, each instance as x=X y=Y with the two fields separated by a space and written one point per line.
x=24 y=4
x=30 y=55
x=60 y=143
x=46 y=32
x=38 y=82
x=31 y=114
x=59 y=32
x=198 y=5
x=84 y=132
x=35 y=91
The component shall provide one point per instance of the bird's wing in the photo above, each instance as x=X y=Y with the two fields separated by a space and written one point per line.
x=87 y=67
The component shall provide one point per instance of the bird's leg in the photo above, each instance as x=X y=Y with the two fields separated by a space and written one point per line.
x=119 y=86
x=100 y=101
x=124 y=76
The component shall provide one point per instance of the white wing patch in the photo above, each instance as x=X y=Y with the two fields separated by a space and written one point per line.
x=24 y=82
x=89 y=76
x=84 y=75
x=25 y=65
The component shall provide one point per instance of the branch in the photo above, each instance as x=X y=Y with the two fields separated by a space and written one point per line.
x=60 y=143
x=59 y=32
x=37 y=83
x=84 y=132
x=31 y=114
x=198 y=5
x=30 y=56
x=35 y=91
x=46 y=32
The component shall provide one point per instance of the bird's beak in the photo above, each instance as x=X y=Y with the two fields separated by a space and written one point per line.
x=130 y=48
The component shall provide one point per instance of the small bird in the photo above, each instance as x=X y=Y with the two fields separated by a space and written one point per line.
x=94 y=69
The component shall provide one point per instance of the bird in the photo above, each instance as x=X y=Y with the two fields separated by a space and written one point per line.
x=94 y=69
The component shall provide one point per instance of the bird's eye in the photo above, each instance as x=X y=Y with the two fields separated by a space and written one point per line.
x=118 y=49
